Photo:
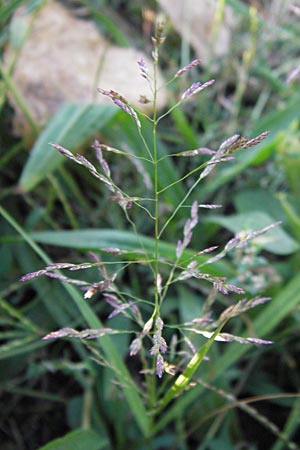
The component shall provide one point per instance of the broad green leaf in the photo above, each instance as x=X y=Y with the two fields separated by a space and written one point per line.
x=78 y=440
x=71 y=126
x=275 y=240
x=19 y=28
x=189 y=304
x=95 y=239
x=259 y=200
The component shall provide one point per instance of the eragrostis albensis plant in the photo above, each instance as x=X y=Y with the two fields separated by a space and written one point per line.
x=159 y=354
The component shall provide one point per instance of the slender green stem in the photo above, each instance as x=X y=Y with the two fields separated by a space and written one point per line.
x=19 y=99
x=141 y=134
x=169 y=111
x=156 y=193
x=196 y=169
x=152 y=385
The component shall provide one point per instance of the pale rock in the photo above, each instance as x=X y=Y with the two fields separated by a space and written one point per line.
x=65 y=59
x=195 y=21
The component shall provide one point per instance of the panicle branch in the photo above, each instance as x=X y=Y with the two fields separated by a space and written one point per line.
x=189 y=66
x=195 y=88
x=122 y=103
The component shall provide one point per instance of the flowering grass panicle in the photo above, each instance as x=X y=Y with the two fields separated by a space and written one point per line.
x=150 y=332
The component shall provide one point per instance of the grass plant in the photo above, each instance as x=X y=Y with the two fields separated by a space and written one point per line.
x=143 y=315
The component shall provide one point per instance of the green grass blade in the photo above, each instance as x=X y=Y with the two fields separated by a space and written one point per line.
x=8 y=8
x=93 y=239
x=111 y=26
x=22 y=346
x=185 y=378
x=115 y=360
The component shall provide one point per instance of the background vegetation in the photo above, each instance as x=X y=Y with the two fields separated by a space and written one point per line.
x=51 y=388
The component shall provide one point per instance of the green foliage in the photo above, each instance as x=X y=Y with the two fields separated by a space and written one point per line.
x=54 y=210
x=78 y=440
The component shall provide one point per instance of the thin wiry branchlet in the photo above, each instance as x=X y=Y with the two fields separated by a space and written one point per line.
x=188 y=230
x=207 y=250
x=113 y=250
x=58 y=266
x=135 y=346
x=255 y=141
x=230 y=146
x=160 y=367
x=143 y=173
x=294 y=75
x=101 y=286
x=79 y=159
x=232 y=243
x=159 y=343
x=210 y=206
x=190 y=345
x=203 y=320
x=220 y=160
x=190 y=272
x=31 y=275
x=246 y=238
x=144 y=69
x=85 y=334
x=199 y=151
x=147 y=327
x=226 y=337
x=64 y=279
x=124 y=202
x=219 y=283
x=159 y=283
x=195 y=88
x=226 y=288
x=64 y=151
x=107 y=148
x=91 y=289
x=122 y=103
x=85 y=162
x=100 y=158
x=189 y=66
x=240 y=307
x=81 y=266
x=117 y=305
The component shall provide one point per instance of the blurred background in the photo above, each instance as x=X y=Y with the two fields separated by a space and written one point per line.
x=54 y=56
